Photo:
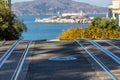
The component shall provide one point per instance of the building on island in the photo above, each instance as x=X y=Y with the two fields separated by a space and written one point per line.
x=74 y=14
x=114 y=11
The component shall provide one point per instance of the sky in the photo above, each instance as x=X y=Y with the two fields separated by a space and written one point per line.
x=103 y=3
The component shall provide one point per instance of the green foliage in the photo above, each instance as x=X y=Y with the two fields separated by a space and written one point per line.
x=98 y=28
x=10 y=26
x=90 y=32
x=104 y=23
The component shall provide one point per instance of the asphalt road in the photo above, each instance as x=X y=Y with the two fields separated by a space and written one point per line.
x=39 y=63
x=8 y=68
x=41 y=68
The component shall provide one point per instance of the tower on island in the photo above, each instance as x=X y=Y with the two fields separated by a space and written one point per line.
x=114 y=11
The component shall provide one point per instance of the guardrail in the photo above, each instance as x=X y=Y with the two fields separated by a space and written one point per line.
x=102 y=66
x=21 y=62
x=109 y=53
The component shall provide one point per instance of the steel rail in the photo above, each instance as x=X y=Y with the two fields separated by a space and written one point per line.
x=8 y=53
x=116 y=38
x=110 y=44
x=21 y=62
x=106 y=51
x=97 y=61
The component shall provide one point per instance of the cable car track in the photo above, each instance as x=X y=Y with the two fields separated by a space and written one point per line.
x=13 y=59
x=102 y=58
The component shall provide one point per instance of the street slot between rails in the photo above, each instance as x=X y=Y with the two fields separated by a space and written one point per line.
x=109 y=53
x=111 y=44
x=107 y=71
x=21 y=62
x=8 y=53
x=15 y=72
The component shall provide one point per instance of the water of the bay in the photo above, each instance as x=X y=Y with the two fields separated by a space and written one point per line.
x=40 y=31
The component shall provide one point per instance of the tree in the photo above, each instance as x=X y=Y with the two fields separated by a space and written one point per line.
x=104 y=23
x=10 y=26
x=90 y=32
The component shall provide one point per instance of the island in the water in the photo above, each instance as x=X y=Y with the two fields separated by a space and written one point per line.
x=66 y=18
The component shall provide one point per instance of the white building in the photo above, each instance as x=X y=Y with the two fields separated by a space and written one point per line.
x=114 y=11
x=74 y=14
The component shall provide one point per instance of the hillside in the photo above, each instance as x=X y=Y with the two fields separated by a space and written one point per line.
x=38 y=7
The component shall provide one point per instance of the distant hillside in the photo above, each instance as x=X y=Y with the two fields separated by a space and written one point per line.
x=38 y=7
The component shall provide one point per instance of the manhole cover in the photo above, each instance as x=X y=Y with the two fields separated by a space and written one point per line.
x=62 y=58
